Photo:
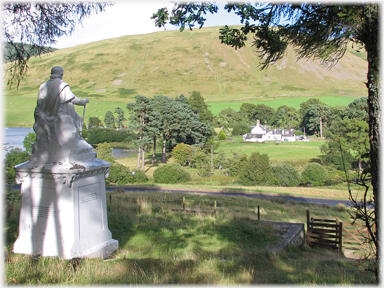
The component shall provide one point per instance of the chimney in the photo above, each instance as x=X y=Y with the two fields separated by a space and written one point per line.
x=258 y=122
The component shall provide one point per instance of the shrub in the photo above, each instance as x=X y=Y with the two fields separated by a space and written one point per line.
x=139 y=176
x=236 y=163
x=183 y=154
x=170 y=174
x=256 y=169
x=202 y=162
x=104 y=151
x=241 y=128
x=220 y=161
x=314 y=173
x=100 y=135
x=222 y=135
x=96 y=135
x=285 y=175
x=119 y=174
x=124 y=135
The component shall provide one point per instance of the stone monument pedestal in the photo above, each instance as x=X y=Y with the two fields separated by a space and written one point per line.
x=63 y=209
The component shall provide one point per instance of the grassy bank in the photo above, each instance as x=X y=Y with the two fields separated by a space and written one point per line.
x=161 y=246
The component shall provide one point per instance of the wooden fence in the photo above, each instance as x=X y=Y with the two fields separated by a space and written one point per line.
x=206 y=212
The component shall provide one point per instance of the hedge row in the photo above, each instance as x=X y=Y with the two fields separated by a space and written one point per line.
x=100 y=135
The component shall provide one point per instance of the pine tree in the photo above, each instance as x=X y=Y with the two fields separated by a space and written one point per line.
x=109 y=120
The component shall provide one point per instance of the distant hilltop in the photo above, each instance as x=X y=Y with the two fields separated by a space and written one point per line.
x=173 y=63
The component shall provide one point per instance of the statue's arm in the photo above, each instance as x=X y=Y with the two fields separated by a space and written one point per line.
x=38 y=113
x=75 y=100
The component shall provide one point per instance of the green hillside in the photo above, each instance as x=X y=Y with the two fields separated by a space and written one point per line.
x=111 y=72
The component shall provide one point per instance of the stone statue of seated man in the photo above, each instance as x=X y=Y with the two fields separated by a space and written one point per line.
x=57 y=125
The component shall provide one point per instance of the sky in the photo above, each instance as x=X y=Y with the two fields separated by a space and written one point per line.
x=132 y=18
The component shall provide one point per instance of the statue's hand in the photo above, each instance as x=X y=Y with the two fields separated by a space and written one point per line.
x=86 y=101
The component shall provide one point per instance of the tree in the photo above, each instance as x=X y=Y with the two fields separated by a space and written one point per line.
x=241 y=128
x=28 y=142
x=304 y=106
x=198 y=105
x=38 y=25
x=139 y=121
x=358 y=109
x=13 y=157
x=286 y=117
x=246 y=112
x=351 y=136
x=263 y=113
x=109 y=120
x=316 y=118
x=94 y=122
x=315 y=30
x=120 y=117
x=170 y=118
x=260 y=112
x=227 y=118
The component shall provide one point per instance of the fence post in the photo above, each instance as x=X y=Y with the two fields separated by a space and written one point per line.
x=308 y=227
x=258 y=212
x=183 y=203
x=340 y=228
x=215 y=206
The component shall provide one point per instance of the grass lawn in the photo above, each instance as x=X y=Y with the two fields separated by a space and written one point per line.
x=161 y=246
x=294 y=152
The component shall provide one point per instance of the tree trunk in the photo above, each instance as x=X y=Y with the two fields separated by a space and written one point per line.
x=154 y=151
x=138 y=158
x=163 y=154
x=143 y=159
x=372 y=44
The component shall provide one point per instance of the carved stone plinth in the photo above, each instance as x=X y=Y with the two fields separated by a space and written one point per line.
x=63 y=209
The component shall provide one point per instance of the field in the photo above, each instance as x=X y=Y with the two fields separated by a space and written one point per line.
x=160 y=246
x=276 y=102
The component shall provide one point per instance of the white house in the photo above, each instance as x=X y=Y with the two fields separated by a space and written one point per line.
x=260 y=134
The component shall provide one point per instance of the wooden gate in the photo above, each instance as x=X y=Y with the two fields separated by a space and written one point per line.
x=333 y=233
x=354 y=235
x=324 y=232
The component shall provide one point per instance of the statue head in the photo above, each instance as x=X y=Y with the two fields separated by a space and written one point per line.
x=57 y=72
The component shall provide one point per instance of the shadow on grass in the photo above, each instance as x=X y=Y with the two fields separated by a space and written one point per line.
x=159 y=246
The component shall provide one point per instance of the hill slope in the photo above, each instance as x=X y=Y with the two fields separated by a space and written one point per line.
x=173 y=63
